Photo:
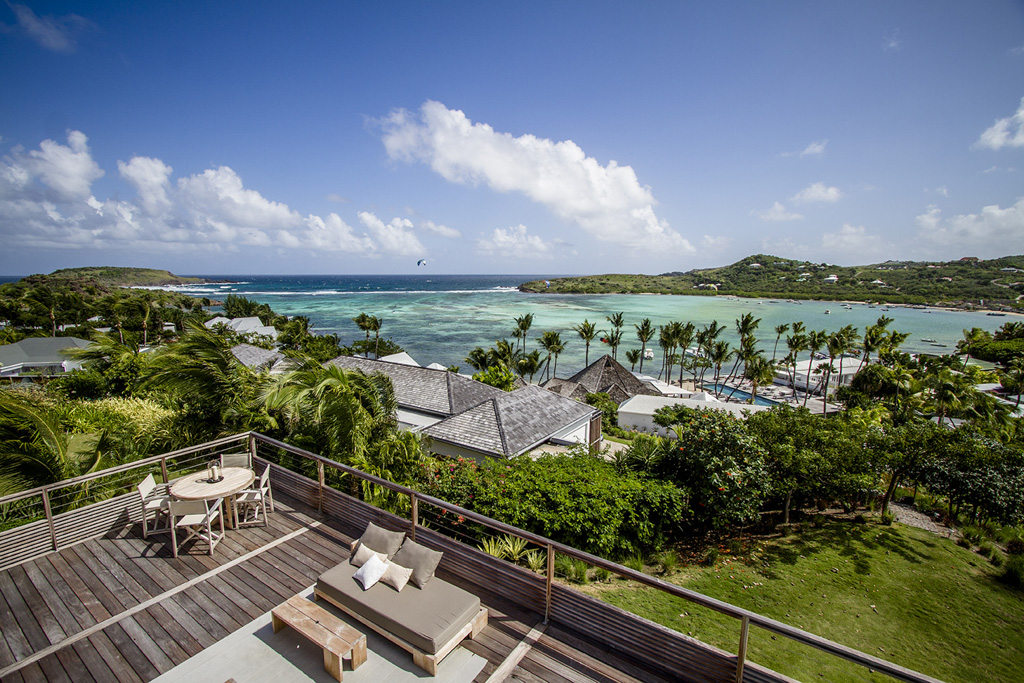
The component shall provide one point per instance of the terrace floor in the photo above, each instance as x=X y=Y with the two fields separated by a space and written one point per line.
x=122 y=608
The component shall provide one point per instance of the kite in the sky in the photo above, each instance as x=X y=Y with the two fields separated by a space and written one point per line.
x=421 y=262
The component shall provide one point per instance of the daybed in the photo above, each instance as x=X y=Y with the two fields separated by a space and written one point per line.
x=428 y=617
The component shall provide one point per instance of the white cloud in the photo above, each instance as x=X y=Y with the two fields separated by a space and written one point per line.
x=815 y=149
x=1008 y=132
x=608 y=202
x=852 y=241
x=994 y=230
x=715 y=242
x=395 y=237
x=150 y=178
x=46 y=202
x=66 y=171
x=818 y=192
x=785 y=247
x=337 y=198
x=778 y=213
x=892 y=41
x=437 y=229
x=515 y=243
x=943 y=190
x=54 y=33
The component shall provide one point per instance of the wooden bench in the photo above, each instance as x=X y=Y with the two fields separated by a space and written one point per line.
x=336 y=638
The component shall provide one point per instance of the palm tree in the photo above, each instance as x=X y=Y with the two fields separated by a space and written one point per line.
x=523 y=324
x=684 y=337
x=504 y=354
x=632 y=356
x=478 y=359
x=666 y=340
x=719 y=355
x=374 y=324
x=797 y=344
x=815 y=340
x=759 y=370
x=587 y=331
x=362 y=321
x=1013 y=378
x=615 y=320
x=836 y=344
x=644 y=332
x=746 y=324
x=971 y=339
x=779 y=331
x=529 y=364
x=35 y=450
x=201 y=370
x=613 y=339
x=552 y=343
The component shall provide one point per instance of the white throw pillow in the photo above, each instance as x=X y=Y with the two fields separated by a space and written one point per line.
x=396 y=576
x=370 y=573
x=363 y=553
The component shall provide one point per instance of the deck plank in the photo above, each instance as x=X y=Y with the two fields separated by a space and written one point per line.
x=107 y=577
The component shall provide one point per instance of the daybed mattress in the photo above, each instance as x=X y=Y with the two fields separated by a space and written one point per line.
x=425 y=617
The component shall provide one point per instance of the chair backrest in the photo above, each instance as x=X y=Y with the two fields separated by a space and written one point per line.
x=236 y=460
x=265 y=479
x=147 y=486
x=180 y=508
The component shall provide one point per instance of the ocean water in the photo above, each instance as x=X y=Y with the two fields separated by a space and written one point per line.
x=440 y=318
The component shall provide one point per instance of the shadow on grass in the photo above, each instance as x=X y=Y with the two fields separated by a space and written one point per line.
x=859 y=543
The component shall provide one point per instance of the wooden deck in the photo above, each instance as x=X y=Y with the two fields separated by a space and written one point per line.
x=121 y=608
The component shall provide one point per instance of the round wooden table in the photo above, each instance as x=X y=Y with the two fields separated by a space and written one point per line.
x=197 y=487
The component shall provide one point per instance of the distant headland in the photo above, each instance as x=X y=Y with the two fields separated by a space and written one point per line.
x=968 y=283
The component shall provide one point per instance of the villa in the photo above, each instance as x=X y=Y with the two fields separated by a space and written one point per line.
x=37 y=356
x=465 y=418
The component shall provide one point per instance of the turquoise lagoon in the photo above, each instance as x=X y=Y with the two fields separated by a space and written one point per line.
x=440 y=318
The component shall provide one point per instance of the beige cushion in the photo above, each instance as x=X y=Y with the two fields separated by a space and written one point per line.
x=370 y=573
x=362 y=554
x=422 y=560
x=427 y=618
x=381 y=540
x=396 y=576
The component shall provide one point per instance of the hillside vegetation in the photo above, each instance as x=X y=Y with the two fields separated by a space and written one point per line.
x=109 y=276
x=966 y=283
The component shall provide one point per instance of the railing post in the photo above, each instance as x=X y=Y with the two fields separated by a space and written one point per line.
x=252 y=447
x=320 y=480
x=163 y=470
x=415 y=515
x=550 y=581
x=741 y=656
x=49 y=517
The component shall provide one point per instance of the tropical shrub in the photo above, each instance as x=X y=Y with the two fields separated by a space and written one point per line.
x=577 y=500
x=1014 y=572
x=714 y=459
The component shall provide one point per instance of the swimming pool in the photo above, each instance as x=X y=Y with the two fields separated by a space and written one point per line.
x=740 y=394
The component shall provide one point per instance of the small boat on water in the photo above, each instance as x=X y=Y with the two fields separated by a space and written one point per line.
x=998 y=315
x=885 y=309
x=929 y=340
x=827 y=311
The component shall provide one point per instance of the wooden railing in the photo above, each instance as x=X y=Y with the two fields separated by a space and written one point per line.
x=314 y=480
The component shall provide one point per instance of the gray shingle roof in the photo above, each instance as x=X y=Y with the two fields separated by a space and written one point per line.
x=512 y=423
x=433 y=391
x=40 y=350
x=254 y=357
x=605 y=372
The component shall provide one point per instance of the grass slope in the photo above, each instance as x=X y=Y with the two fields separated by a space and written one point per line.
x=899 y=593
x=124 y=277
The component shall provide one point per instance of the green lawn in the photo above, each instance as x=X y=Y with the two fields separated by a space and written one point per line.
x=898 y=593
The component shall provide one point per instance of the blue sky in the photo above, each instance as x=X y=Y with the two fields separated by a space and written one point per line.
x=518 y=137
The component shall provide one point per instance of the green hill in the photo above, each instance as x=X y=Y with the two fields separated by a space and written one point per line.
x=122 y=277
x=993 y=283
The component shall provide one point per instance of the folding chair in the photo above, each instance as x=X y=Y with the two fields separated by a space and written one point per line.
x=196 y=517
x=154 y=507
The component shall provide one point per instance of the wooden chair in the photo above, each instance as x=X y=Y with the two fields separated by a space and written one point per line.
x=236 y=460
x=154 y=507
x=251 y=504
x=197 y=518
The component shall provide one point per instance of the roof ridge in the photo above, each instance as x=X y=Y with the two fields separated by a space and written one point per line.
x=497 y=419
